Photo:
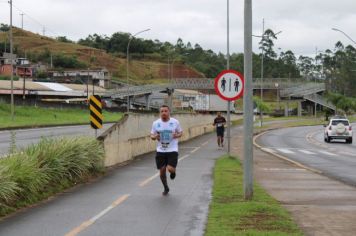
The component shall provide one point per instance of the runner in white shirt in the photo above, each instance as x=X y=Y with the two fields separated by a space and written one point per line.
x=166 y=131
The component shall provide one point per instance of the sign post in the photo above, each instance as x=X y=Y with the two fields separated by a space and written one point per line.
x=229 y=85
x=96 y=116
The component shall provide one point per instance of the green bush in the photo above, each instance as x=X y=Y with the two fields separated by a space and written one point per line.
x=7 y=77
x=40 y=170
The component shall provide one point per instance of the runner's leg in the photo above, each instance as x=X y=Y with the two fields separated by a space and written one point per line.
x=172 y=164
x=163 y=176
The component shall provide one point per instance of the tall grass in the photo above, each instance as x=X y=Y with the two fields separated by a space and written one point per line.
x=30 y=175
x=30 y=116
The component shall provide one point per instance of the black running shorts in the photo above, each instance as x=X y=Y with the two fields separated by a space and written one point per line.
x=220 y=131
x=166 y=158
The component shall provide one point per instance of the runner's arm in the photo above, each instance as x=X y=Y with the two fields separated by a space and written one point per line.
x=178 y=132
x=154 y=133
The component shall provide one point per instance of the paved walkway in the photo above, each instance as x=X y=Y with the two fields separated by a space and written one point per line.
x=319 y=205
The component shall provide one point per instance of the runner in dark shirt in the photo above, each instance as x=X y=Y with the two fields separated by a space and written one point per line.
x=219 y=123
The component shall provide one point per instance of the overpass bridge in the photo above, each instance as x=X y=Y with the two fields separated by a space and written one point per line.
x=292 y=90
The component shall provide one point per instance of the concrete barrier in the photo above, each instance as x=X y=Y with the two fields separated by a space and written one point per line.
x=131 y=136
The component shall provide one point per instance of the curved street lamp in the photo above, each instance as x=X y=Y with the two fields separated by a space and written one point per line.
x=262 y=62
x=127 y=63
x=335 y=29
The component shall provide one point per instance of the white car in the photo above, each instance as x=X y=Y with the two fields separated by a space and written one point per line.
x=338 y=128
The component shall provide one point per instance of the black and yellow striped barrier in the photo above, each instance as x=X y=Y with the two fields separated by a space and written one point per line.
x=96 y=116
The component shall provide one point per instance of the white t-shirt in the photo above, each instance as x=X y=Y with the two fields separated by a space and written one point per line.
x=166 y=129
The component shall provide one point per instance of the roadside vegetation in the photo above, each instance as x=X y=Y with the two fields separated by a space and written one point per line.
x=44 y=169
x=29 y=116
x=230 y=214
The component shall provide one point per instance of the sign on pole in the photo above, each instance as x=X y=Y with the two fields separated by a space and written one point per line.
x=229 y=85
x=96 y=116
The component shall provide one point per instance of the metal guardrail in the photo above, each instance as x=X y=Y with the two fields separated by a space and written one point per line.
x=288 y=88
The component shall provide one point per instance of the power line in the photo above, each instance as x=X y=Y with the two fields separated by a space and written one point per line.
x=36 y=21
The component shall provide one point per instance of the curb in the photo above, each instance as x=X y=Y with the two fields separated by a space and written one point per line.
x=280 y=156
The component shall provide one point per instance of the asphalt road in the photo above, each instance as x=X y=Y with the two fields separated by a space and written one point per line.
x=306 y=145
x=129 y=201
x=25 y=137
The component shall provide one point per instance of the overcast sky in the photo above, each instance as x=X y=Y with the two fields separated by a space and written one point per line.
x=305 y=24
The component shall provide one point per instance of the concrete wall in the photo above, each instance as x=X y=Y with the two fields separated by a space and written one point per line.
x=131 y=136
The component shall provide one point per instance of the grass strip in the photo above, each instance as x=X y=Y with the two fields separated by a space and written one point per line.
x=230 y=214
x=36 y=116
x=44 y=169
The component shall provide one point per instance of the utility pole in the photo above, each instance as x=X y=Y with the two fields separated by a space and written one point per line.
x=316 y=65
x=22 y=14
x=12 y=66
x=248 y=103
x=44 y=31
x=228 y=67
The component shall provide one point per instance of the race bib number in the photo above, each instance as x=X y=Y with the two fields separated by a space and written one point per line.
x=220 y=125
x=166 y=137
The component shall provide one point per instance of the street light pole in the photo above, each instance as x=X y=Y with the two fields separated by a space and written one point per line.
x=262 y=65
x=335 y=29
x=12 y=66
x=127 y=63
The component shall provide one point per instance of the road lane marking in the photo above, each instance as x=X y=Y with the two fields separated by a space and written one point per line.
x=283 y=157
x=327 y=153
x=268 y=150
x=91 y=221
x=195 y=149
x=286 y=151
x=183 y=157
x=348 y=153
x=188 y=147
x=149 y=179
x=306 y=152
x=205 y=143
x=146 y=181
x=283 y=169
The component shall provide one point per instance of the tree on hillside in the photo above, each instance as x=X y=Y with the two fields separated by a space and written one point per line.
x=4 y=27
x=64 y=39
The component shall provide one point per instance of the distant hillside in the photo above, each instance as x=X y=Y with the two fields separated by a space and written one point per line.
x=39 y=48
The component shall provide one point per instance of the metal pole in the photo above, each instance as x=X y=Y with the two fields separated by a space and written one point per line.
x=316 y=64
x=262 y=69
x=228 y=67
x=344 y=34
x=93 y=87
x=248 y=103
x=22 y=20
x=12 y=66
x=88 y=87
x=24 y=85
x=127 y=64
x=127 y=72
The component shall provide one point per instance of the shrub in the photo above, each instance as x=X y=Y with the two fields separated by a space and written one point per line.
x=36 y=172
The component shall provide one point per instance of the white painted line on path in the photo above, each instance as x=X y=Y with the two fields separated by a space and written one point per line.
x=149 y=179
x=306 y=152
x=286 y=151
x=327 y=153
x=88 y=223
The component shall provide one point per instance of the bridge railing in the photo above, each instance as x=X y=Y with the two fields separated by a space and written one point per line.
x=319 y=100
x=302 y=90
